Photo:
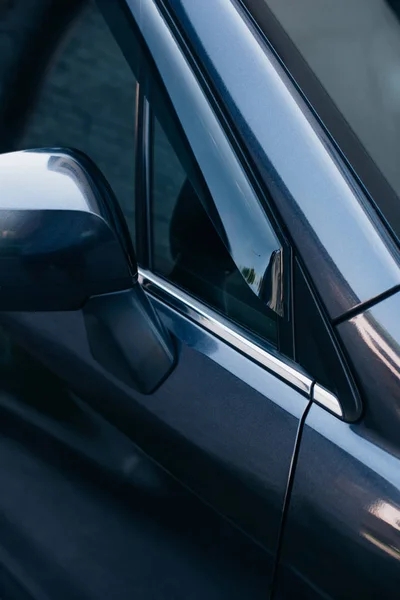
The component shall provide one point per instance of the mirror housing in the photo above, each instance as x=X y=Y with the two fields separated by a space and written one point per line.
x=61 y=241
x=64 y=246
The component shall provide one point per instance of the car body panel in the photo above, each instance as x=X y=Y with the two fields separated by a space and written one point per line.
x=85 y=514
x=372 y=341
x=222 y=425
x=341 y=538
x=231 y=428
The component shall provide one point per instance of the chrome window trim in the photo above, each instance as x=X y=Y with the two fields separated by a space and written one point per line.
x=215 y=323
x=326 y=399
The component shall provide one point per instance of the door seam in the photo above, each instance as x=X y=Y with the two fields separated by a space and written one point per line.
x=288 y=493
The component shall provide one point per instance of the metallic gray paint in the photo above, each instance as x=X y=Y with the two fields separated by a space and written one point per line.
x=238 y=414
x=221 y=424
x=337 y=539
x=372 y=341
x=344 y=512
x=342 y=536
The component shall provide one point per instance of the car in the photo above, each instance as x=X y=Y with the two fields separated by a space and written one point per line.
x=199 y=303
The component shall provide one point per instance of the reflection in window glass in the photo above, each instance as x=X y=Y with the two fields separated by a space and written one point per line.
x=188 y=251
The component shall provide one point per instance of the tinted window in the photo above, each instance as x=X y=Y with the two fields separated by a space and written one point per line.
x=86 y=101
x=350 y=49
x=187 y=250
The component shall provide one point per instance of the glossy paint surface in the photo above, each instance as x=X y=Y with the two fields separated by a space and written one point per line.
x=221 y=424
x=226 y=427
x=344 y=511
x=240 y=423
x=342 y=536
x=59 y=241
x=30 y=180
x=330 y=222
x=84 y=514
x=372 y=341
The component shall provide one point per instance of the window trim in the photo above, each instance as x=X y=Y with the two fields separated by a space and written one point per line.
x=221 y=326
x=216 y=324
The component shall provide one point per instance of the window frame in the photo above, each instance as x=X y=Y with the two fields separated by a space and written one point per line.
x=144 y=158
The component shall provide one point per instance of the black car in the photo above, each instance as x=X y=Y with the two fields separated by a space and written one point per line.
x=200 y=299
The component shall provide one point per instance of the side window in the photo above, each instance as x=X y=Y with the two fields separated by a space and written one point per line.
x=187 y=250
x=87 y=101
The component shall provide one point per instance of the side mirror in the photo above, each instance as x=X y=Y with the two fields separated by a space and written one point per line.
x=64 y=246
